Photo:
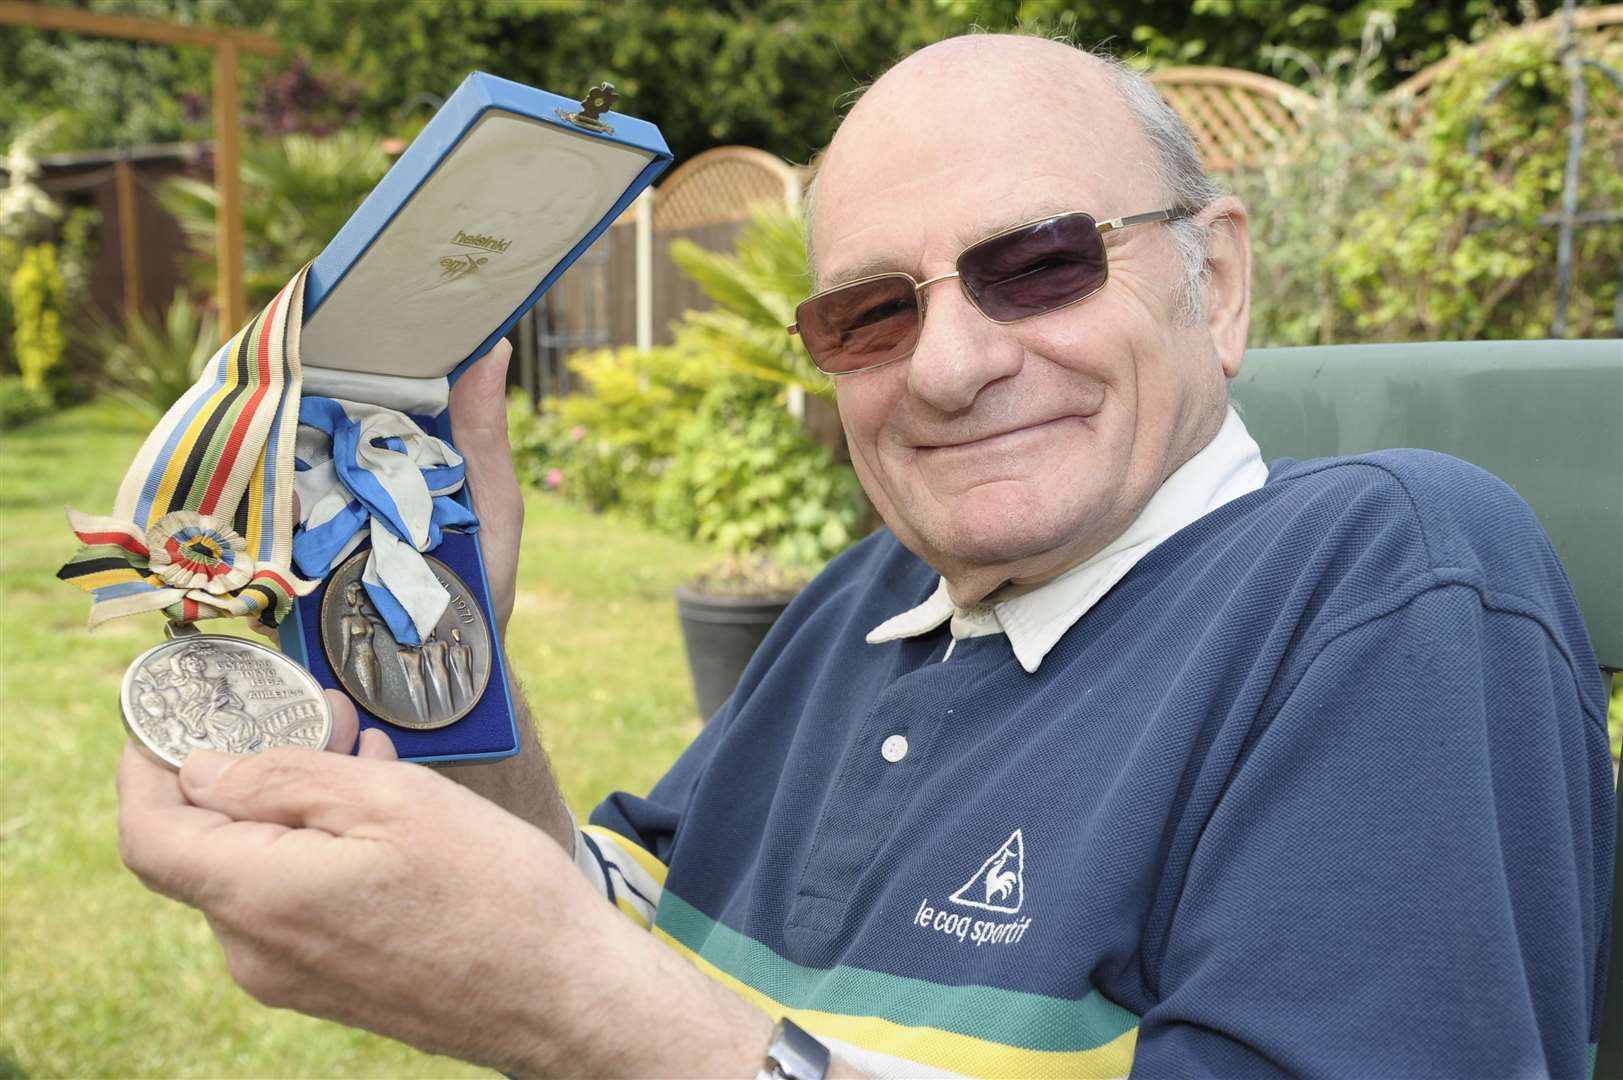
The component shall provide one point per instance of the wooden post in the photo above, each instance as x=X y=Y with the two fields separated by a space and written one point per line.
x=233 y=301
x=645 y=270
x=129 y=238
x=791 y=202
x=226 y=43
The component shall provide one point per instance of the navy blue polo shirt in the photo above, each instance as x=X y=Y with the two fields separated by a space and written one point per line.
x=1320 y=788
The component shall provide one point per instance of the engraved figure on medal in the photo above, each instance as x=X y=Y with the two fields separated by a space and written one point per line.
x=421 y=687
x=357 y=628
x=214 y=692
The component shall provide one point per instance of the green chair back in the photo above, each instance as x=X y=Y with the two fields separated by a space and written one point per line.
x=1546 y=417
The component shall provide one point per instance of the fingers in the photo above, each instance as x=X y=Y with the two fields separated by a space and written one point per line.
x=144 y=785
x=377 y=746
x=159 y=832
x=303 y=789
x=373 y=743
x=345 y=725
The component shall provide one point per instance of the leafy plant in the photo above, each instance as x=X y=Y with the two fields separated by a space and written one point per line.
x=151 y=362
x=1304 y=197
x=748 y=479
x=1463 y=245
x=755 y=288
x=696 y=437
x=610 y=445
x=298 y=191
x=750 y=575
x=36 y=304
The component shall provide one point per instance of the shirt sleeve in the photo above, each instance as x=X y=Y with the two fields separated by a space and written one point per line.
x=1409 y=873
x=626 y=848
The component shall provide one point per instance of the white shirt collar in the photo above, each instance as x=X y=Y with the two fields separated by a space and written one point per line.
x=1227 y=467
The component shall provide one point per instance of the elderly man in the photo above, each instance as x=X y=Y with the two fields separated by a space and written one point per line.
x=1118 y=751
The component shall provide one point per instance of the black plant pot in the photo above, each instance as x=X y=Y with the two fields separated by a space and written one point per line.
x=721 y=634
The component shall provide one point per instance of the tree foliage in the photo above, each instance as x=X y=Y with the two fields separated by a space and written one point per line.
x=766 y=73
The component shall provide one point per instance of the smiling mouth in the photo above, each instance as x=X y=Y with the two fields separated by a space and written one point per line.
x=989 y=441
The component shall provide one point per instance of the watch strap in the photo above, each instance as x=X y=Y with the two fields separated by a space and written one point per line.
x=794 y=1054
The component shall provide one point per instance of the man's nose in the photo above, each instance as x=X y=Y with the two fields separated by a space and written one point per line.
x=960 y=351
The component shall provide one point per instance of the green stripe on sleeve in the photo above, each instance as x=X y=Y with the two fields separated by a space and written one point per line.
x=1007 y=1017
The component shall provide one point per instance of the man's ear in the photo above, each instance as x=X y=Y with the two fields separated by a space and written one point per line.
x=1228 y=279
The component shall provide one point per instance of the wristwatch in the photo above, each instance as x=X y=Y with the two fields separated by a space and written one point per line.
x=793 y=1054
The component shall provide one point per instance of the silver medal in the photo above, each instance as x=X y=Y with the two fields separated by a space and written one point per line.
x=214 y=692
x=422 y=686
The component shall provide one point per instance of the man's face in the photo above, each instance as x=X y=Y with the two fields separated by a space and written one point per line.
x=1010 y=452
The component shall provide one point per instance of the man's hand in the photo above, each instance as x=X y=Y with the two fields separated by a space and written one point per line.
x=380 y=894
x=365 y=890
x=479 y=428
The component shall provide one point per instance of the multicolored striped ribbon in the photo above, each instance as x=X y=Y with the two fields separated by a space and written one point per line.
x=203 y=524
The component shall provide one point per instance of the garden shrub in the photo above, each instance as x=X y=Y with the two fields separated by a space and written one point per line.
x=1304 y=194
x=20 y=403
x=696 y=437
x=1369 y=227
x=36 y=305
x=611 y=443
x=747 y=478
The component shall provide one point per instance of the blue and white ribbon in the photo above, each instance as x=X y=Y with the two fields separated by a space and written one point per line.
x=364 y=471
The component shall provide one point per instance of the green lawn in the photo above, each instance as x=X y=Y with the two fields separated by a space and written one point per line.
x=99 y=977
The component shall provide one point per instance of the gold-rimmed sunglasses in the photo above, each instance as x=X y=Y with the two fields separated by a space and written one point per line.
x=1022 y=271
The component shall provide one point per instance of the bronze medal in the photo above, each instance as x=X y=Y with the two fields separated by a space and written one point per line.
x=422 y=687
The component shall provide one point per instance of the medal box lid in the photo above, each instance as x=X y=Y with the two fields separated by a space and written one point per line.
x=491 y=202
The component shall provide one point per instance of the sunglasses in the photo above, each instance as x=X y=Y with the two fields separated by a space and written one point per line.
x=1015 y=274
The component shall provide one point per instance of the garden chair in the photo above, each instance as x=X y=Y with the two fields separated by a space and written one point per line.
x=1544 y=416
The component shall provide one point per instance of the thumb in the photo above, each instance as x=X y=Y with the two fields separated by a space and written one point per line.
x=304 y=788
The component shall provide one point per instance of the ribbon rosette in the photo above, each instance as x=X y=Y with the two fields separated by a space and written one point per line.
x=189 y=565
x=191 y=551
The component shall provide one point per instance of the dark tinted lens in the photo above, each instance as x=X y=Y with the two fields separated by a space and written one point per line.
x=863 y=324
x=1034 y=269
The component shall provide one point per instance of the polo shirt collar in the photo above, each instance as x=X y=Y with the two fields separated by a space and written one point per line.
x=1229 y=466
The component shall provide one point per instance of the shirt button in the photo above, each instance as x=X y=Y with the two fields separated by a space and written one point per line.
x=894 y=748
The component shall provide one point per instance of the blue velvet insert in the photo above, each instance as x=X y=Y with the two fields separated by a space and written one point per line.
x=486 y=733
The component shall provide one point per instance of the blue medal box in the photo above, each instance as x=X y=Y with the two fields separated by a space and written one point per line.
x=492 y=201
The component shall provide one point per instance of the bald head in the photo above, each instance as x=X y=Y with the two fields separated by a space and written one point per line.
x=1112 y=118
x=990 y=81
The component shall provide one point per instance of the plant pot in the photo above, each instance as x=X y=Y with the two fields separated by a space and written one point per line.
x=721 y=634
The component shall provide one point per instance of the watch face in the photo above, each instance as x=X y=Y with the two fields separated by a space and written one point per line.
x=795 y=1054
